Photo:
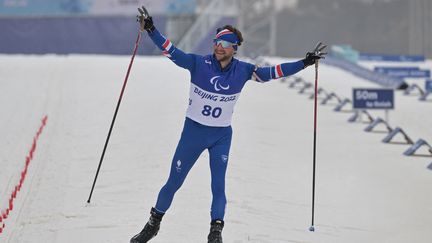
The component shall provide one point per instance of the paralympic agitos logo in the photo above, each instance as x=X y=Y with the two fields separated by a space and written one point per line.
x=217 y=85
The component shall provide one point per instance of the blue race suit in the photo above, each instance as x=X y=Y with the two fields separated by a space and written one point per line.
x=213 y=94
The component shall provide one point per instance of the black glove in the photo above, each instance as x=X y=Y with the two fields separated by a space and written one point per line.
x=145 y=20
x=316 y=54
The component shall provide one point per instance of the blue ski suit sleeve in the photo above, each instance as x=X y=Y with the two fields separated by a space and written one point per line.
x=264 y=74
x=181 y=59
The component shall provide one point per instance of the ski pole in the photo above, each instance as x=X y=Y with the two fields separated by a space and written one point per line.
x=115 y=113
x=312 y=228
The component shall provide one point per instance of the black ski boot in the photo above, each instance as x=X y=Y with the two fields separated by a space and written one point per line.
x=150 y=229
x=215 y=235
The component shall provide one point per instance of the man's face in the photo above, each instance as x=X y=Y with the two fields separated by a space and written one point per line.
x=223 y=54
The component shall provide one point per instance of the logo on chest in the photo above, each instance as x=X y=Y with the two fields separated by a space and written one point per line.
x=217 y=85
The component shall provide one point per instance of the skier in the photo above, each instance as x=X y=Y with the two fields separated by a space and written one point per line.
x=216 y=83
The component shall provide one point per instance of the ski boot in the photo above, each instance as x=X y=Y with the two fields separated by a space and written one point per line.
x=150 y=229
x=215 y=235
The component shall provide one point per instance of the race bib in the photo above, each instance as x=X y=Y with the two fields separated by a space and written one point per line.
x=211 y=109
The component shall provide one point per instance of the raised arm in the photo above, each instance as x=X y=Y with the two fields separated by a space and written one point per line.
x=176 y=55
x=264 y=74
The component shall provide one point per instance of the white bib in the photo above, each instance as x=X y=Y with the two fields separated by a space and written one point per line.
x=210 y=109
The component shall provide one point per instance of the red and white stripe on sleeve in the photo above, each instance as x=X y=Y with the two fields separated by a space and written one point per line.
x=167 y=46
x=278 y=71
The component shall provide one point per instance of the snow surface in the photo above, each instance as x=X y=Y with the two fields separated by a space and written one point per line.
x=367 y=191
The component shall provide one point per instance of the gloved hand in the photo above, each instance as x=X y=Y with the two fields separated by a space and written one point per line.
x=314 y=55
x=145 y=20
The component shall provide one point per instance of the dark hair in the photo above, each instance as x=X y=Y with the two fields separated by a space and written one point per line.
x=234 y=30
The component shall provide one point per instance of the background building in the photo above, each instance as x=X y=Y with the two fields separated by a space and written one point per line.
x=270 y=27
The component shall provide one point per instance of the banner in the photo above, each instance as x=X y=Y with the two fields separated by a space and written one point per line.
x=391 y=58
x=428 y=85
x=43 y=7
x=404 y=72
x=94 y=7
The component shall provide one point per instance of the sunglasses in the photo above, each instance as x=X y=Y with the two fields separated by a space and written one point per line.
x=223 y=43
